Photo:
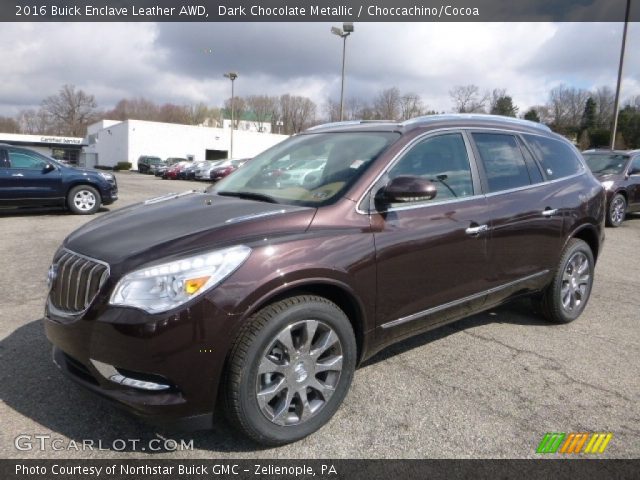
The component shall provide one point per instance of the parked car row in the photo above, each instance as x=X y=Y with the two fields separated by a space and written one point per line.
x=207 y=170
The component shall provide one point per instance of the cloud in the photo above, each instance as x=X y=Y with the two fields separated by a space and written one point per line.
x=170 y=62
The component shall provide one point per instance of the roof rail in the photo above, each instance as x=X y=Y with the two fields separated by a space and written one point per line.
x=474 y=116
x=335 y=124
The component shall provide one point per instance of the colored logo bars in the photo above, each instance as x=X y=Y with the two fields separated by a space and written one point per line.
x=574 y=443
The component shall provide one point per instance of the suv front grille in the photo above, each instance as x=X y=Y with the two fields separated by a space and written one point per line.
x=77 y=281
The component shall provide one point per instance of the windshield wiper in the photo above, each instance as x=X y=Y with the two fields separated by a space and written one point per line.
x=249 y=196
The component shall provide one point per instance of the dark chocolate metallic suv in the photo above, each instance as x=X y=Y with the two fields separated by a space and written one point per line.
x=266 y=296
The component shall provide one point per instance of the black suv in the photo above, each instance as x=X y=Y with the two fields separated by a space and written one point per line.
x=145 y=163
x=30 y=179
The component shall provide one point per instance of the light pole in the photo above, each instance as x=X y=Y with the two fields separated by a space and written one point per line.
x=616 y=102
x=344 y=32
x=232 y=76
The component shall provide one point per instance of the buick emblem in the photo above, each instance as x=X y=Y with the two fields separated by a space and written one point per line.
x=52 y=274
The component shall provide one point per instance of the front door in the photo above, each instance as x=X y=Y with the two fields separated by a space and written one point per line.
x=431 y=255
x=29 y=181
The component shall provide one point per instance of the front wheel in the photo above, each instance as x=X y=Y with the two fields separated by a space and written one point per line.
x=83 y=200
x=617 y=210
x=289 y=370
x=568 y=293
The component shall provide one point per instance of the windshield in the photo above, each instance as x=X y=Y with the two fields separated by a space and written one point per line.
x=342 y=156
x=606 y=163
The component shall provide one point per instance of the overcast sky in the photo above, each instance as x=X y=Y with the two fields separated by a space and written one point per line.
x=170 y=62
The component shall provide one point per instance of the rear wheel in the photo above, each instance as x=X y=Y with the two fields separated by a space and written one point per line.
x=83 y=200
x=617 y=210
x=290 y=369
x=568 y=293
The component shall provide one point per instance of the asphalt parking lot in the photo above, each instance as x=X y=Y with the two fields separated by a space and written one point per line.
x=489 y=386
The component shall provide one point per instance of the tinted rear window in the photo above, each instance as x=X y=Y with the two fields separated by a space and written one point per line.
x=503 y=161
x=557 y=159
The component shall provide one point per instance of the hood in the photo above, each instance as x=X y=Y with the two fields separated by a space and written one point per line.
x=179 y=223
x=603 y=177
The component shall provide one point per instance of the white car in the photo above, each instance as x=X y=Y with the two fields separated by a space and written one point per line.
x=204 y=171
x=305 y=173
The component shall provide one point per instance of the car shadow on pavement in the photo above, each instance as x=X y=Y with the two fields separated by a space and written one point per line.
x=518 y=312
x=38 y=212
x=31 y=385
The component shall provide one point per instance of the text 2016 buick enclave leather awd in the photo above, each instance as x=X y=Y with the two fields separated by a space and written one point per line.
x=266 y=296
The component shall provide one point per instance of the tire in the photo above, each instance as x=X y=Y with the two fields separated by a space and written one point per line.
x=566 y=297
x=616 y=211
x=83 y=200
x=272 y=366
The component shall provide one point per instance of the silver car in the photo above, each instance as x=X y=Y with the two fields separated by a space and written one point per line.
x=204 y=171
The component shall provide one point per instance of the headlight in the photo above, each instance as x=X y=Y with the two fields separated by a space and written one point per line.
x=107 y=176
x=607 y=184
x=165 y=286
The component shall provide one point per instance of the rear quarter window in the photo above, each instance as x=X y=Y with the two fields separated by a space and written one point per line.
x=557 y=159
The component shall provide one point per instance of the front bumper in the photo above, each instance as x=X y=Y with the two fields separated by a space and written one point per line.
x=184 y=350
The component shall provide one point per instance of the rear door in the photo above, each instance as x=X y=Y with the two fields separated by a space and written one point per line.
x=29 y=182
x=431 y=255
x=4 y=178
x=527 y=214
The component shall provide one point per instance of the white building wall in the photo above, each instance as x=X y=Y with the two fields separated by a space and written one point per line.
x=126 y=141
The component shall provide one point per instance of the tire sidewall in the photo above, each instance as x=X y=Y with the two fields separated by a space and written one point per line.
x=72 y=193
x=575 y=247
x=332 y=316
x=610 y=221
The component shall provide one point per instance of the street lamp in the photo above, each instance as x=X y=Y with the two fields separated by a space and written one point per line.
x=616 y=106
x=232 y=76
x=344 y=32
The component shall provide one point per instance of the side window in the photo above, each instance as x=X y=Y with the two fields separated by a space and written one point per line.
x=444 y=161
x=19 y=159
x=503 y=161
x=4 y=161
x=557 y=159
x=636 y=164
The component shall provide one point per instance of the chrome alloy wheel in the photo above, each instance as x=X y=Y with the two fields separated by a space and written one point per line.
x=298 y=372
x=575 y=282
x=84 y=200
x=617 y=210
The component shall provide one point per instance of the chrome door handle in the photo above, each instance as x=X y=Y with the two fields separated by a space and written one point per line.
x=17 y=175
x=549 y=212
x=476 y=230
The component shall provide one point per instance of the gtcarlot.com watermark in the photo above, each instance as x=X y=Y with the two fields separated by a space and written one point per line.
x=46 y=442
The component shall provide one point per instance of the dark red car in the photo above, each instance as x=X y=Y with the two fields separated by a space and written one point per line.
x=268 y=296
x=226 y=168
x=173 y=172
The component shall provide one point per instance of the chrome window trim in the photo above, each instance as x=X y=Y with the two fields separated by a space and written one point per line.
x=401 y=153
x=454 y=303
x=466 y=131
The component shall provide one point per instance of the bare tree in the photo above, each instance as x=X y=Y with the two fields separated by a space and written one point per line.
x=70 y=111
x=134 y=109
x=467 y=99
x=411 y=106
x=201 y=114
x=34 y=121
x=239 y=109
x=566 y=106
x=296 y=113
x=262 y=107
x=605 y=98
x=9 y=125
x=387 y=104
x=170 y=113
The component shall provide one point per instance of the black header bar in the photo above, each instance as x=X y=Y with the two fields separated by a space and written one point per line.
x=317 y=11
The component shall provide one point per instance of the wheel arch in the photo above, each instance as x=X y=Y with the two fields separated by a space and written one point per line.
x=337 y=293
x=589 y=235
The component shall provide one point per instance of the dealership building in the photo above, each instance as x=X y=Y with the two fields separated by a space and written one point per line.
x=62 y=148
x=109 y=142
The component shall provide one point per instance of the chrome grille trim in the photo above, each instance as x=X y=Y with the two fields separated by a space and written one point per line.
x=78 y=282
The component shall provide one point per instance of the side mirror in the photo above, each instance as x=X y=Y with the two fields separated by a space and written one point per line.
x=48 y=168
x=408 y=189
